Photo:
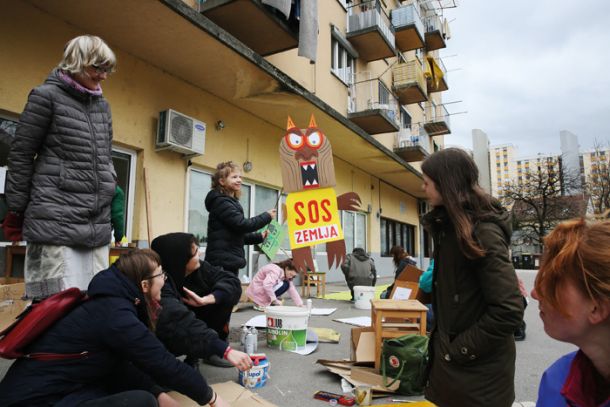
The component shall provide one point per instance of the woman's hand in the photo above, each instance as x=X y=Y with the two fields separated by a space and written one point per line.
x=265 y=234
x=272 y=212
x=240 y=360
x=165 y=400
x=194 y=300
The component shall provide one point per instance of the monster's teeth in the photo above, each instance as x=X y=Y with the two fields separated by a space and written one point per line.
x=307 y=183
x=313 y=166
x=315 y=182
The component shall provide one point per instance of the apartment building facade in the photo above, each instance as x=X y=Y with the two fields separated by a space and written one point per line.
x=375 y=89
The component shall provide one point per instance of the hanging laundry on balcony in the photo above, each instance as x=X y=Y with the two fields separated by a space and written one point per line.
x=433 y=72
x=308 y=29
x=282 y=5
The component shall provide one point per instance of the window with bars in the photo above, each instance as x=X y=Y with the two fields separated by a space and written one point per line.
x=394 y=233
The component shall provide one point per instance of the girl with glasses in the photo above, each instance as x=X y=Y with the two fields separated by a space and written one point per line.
x=125 y=363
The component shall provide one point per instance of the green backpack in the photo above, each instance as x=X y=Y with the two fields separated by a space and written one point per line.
x=406 y=359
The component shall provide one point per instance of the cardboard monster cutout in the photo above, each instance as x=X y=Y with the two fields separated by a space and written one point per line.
x=312 y=207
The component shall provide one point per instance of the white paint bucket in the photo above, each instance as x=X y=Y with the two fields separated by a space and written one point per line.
x=286 y=327
x=363 y=296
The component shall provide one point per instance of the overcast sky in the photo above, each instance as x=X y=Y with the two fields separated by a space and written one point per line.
x=526 y=69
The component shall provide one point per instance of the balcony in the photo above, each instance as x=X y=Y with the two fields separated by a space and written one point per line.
x=373 y=107
x=260 y=27
x=436 y=75
x=437 y=30
x=370 y=31
x=409 y=83
x=408 y=28
x=411 y=146
x=437 y=120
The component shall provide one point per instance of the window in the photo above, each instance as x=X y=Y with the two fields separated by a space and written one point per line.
x=342 y=62
x=354 y=230
x=254 y=199
x=395 y=233
x=405 y=118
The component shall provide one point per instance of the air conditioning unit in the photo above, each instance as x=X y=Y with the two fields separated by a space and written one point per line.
x=181 y=133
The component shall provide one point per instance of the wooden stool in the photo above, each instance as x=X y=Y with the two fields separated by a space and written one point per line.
x=317 y=279
x=406 y=316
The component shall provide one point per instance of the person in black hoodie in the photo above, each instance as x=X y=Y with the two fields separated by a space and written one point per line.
x=228 y=229
x=114 y=327
x=192 y=322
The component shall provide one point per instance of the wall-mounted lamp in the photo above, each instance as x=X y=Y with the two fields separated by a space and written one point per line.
x=220 y=125
x=247 y=166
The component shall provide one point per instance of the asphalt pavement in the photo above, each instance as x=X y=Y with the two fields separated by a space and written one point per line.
x=295 y=378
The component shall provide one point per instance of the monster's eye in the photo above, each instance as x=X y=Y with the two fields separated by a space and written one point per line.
x=294 y=140
x=314 y=140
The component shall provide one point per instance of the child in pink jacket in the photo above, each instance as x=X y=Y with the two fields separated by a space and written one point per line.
x=273 y=280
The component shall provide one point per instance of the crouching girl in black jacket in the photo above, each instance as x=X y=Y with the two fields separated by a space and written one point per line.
x=115 y=327
x=197 y=329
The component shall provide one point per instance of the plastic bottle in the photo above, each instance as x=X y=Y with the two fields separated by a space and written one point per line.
x=254 y=333
x=242 y=337
x=309 y=305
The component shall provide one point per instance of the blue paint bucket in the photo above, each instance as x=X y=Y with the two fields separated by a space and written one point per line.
x=259 y=373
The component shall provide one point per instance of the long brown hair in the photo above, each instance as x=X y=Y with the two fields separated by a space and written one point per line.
x=398 y=253
x=223 y=170
x=138 y=265
x=575 y=251
x=456 y=178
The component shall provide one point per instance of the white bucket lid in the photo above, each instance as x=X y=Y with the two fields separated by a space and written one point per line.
x=286 y=311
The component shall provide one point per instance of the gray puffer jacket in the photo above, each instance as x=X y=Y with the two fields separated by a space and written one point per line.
x=60 y=166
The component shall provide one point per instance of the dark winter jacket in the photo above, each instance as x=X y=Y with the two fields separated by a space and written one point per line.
x=112 y=329
x=359 y=269
x=229 y=231
x=404 y=262
x=478 y=306
x=60 y=166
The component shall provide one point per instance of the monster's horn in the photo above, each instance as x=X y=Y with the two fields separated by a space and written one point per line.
x=290 y=124
x=312 y=121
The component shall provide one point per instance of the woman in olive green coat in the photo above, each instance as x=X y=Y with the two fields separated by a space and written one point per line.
x=475 y=294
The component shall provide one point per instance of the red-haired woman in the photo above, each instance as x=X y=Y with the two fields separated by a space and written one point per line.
x=573 y=290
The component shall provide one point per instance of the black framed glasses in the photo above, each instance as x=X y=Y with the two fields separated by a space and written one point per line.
x=162 y=273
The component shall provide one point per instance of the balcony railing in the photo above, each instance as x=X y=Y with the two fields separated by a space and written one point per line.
x=437 y=29
x=437 y=120
x=408 y=28
x=412 y=143
x=370 y=31
x=373 y=107
x=409 y=83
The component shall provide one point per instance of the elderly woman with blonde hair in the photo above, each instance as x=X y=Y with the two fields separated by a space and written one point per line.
x=61 y=179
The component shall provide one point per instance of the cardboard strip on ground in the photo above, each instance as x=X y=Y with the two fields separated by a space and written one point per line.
x=233 y=393
x=357 y=375
x=11 y=304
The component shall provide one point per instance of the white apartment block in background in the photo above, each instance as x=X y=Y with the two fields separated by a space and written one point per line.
x=502 y=164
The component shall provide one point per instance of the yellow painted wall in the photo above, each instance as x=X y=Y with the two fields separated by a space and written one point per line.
x=138 y=91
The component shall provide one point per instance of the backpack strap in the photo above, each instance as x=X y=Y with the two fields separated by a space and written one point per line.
x=56 y=356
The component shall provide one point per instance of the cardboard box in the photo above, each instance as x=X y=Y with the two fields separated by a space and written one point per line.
x=410 y=273
x=359 y=375
x=233 y=393
x=401 y=287
x=363 y=344
x=11 y=303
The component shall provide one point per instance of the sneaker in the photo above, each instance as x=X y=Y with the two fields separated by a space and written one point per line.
x=259 y=308
x=217 y=361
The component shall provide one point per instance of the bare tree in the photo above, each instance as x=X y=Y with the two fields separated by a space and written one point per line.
x=598 y=181
x=537 y=199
